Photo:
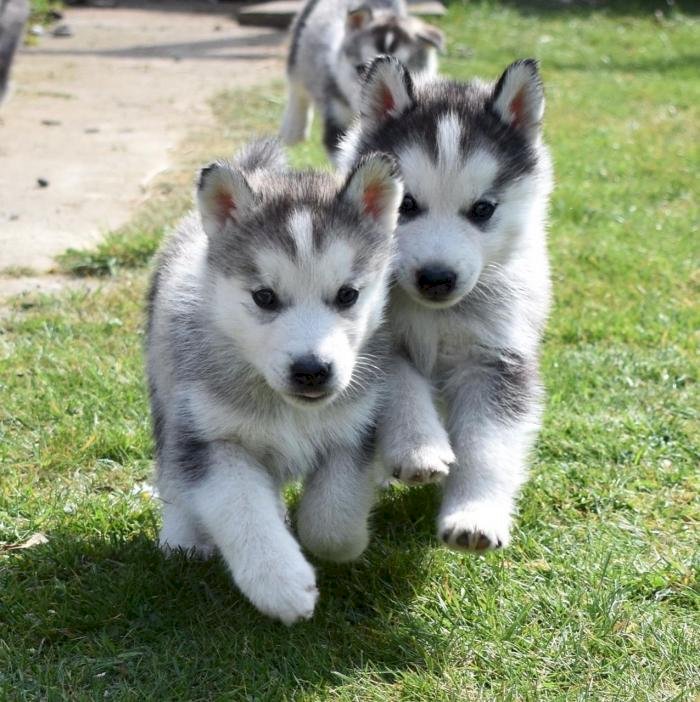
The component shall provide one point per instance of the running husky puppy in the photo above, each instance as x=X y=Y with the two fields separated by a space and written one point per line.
x=262 y=348
x=473 y=288
x=332 y=40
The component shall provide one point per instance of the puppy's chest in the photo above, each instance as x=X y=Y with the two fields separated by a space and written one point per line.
x=288 y=449
x=290 y=446
x=288 y=442
x=433 y=341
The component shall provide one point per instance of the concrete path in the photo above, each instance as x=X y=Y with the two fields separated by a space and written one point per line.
x=95 y=116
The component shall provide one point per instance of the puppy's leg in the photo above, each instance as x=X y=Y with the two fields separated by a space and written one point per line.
x=298 y=115
x=337 y=118
x=332 y=135
x=334 y=511
x=493 y=422
x=237 y=502
x=412 y=440
x=180 y=532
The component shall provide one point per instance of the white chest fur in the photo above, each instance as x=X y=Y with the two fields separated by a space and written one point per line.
x=289 y=443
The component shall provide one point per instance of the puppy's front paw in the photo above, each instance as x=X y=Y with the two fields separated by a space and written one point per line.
x=422 y=464
x=284 y=591
x=477 y=527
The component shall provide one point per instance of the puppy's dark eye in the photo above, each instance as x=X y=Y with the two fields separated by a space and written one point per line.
x=360 y=69
x=481 y=211
x=346 y=297
x=266 y=299
x=409 y=207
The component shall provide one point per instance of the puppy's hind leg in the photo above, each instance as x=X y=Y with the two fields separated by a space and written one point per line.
x=298 y=115
x=334 y=511
x=180 y=533
x=332 y=136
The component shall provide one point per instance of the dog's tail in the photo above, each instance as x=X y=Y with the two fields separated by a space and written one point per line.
x=262 y=154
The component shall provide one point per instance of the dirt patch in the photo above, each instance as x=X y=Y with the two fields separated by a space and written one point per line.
x=95 y=116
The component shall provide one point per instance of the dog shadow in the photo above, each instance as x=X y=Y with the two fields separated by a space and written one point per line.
x=130 y=612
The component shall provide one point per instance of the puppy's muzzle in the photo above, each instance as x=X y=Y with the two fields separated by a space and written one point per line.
x=435 y=283
x=310 y=377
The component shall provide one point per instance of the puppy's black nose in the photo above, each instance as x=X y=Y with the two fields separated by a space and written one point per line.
x=310 y=372
x=436 y=283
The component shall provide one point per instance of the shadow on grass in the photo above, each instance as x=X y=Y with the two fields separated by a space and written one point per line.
x=119 y=614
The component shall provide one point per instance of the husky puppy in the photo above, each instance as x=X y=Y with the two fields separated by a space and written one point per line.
x=472 y=286
x=332 y=40
x=263 y=351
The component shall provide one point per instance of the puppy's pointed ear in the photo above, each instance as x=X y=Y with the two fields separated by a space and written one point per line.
x=375 y=188
x=387 y=92
x=431 y=35
x=358 y=18
x=518 y=97
x=223 y=194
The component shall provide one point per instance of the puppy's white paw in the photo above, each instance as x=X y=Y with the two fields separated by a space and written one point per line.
x=283 y=590
x=477 y=527
x=417 y=465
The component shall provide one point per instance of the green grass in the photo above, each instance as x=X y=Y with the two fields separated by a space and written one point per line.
x=44 y=11
x=597 y=599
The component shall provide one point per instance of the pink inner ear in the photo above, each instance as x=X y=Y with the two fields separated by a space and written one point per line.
x=517 y=108
x=388 y=102
x=356 y=19
x=372 y=199
x=224 y=204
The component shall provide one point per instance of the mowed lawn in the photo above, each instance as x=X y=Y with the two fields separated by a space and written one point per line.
x=596 y=599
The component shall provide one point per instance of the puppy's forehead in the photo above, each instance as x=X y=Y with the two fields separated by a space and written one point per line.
x=388 y=34
x=455 y=120
x=297 y=218
x=442 y=172
x=320 y=249
x=301 y=229
x=314 y=262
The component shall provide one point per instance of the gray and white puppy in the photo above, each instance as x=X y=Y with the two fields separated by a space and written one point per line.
x=332 y=40
x=472 y=286
x=263 y=349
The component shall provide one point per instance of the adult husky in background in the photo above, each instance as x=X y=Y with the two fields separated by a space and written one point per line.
x=263 y=363
x=332 y=40
x=472 y=286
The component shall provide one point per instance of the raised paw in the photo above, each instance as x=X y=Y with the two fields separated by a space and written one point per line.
x=478 y=528
x=422 y=464
x=286 y=592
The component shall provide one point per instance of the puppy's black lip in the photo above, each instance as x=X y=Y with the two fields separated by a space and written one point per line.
x=440 y=303
x=310 y=399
